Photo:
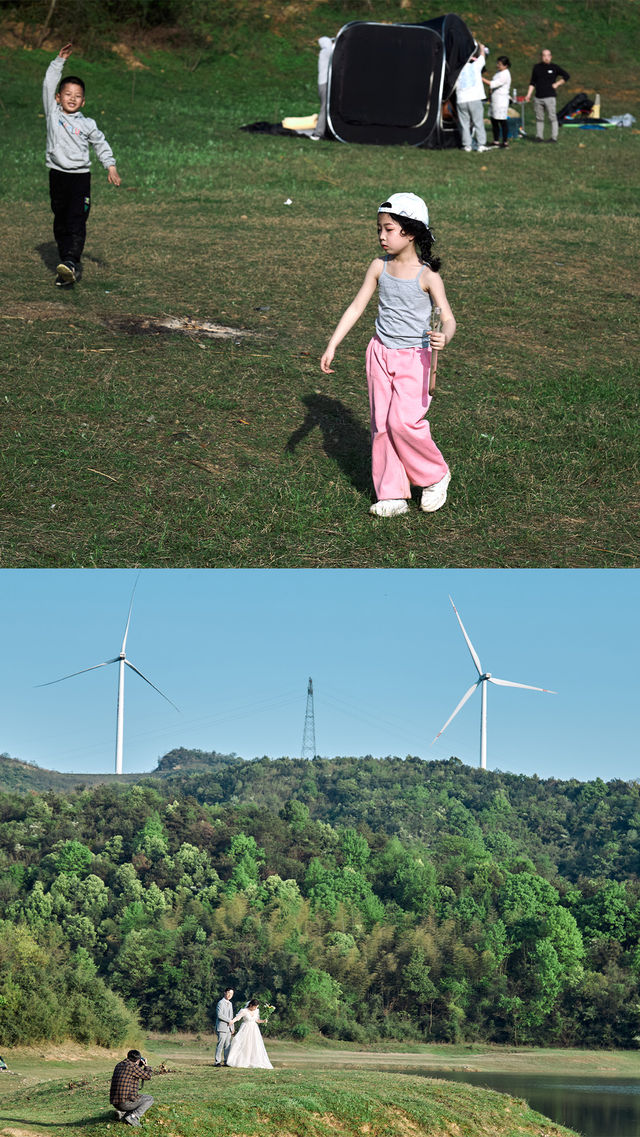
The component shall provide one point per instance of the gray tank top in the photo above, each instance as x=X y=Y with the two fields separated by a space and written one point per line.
x=404 y=311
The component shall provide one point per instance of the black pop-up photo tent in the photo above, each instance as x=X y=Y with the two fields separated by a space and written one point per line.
x=388 y=83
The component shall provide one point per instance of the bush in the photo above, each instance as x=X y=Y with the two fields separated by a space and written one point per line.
x=50 y=994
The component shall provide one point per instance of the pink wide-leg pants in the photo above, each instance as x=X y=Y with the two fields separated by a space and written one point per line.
x=403 y=452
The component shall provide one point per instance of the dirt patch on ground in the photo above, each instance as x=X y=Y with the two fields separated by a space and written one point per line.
x=134 y=325
x=183 y=325
x=124 y=52
x=63 y=1052
x=20 y=1133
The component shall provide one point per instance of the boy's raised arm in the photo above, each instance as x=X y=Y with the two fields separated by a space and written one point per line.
x=51 y=80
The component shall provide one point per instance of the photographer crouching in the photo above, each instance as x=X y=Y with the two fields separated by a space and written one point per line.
x=125 y=1095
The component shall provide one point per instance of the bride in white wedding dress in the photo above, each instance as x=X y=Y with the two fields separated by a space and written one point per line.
x=247 y=1047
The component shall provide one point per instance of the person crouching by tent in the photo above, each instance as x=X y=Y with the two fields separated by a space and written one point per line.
x=469 y=100
x=399 y=356
x=500 y=85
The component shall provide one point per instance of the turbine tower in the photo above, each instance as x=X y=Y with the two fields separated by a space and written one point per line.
x=309 y=732
x=122 y=661
x=484 y=677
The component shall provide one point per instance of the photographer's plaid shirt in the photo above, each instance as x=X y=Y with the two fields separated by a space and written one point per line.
x=125 y=1082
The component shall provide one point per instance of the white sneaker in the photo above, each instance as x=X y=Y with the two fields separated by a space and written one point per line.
x=467 y=149
x=482 y=149
x=390 y=507
x=434 y=497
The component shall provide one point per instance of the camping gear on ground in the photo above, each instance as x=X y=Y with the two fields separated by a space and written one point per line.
x=308 y=122
x=388 y=82
x=580 y=106
x=621 y=120
x=514 y=129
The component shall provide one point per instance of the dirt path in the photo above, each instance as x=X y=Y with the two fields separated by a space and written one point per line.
x=189 y=1050
x=492 y=1059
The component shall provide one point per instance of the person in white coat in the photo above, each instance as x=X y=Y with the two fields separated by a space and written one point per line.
x=500 y=85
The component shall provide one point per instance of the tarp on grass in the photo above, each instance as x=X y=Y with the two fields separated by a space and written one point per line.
x=388 y=82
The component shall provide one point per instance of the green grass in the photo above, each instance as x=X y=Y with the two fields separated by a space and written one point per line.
x=123 y=448
x=195 y=1100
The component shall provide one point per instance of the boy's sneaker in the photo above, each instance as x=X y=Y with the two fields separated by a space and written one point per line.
x=434 y=497
x=390 y=507
x=66 y=271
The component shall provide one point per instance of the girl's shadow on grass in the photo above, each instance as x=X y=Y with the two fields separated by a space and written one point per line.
x=344 y=439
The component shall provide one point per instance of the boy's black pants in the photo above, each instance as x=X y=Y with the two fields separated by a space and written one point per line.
x=70 y=202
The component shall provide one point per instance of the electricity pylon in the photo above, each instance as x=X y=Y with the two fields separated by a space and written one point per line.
x=309 y=732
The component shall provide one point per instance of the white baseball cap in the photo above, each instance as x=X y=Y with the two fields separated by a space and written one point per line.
x=406 y=205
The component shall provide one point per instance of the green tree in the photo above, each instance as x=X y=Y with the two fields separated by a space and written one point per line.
x=72 y=857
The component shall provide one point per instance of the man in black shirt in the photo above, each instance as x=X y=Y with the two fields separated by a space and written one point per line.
x=546 y=77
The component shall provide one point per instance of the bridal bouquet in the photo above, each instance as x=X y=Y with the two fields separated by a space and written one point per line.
x=266 y=1009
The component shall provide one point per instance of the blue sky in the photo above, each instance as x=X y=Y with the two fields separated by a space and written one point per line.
x=234 y=650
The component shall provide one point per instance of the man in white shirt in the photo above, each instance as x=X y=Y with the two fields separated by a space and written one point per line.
x=470 y=100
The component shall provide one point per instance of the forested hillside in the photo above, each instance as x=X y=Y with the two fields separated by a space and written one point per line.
x=365 y=898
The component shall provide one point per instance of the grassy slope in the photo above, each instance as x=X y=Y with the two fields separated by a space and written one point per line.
x=310 y=1103
x=163 y=450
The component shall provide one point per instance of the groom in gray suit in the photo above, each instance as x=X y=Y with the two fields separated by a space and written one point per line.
x=224 y=1027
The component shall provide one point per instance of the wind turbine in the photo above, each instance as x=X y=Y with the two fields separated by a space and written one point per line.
x=122 y=660
x=484 y=677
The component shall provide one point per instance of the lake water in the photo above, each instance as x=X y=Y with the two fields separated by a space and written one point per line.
x=594 y=1107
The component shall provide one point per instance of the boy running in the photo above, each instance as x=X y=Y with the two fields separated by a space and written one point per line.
x=68 y=136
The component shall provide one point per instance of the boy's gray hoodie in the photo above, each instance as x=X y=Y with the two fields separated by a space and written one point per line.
x=69 y=135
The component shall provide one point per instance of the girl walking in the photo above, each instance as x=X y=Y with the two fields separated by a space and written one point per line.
x=399 y=357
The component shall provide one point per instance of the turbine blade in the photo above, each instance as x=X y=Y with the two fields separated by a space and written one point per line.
x=527 y=686
x=474 y=654
x=126 y=630
x=83 y=672
x=460 y=704
x=133 y=668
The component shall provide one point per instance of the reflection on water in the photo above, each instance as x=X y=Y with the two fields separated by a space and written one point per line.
x=594 y=1107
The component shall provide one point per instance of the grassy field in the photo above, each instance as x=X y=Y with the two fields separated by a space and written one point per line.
x=54 y=1093
x=127 y=444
